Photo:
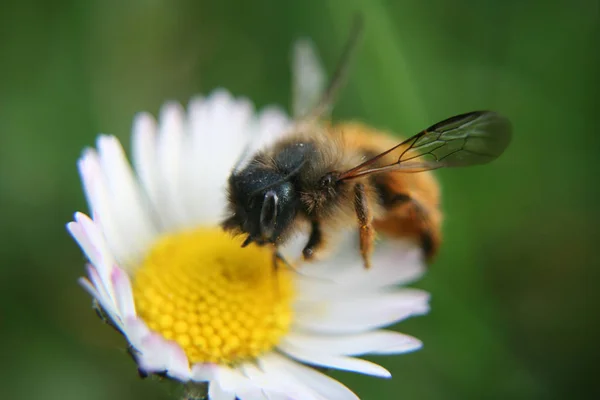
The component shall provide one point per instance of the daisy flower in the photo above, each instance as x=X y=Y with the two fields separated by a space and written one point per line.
x=196 y=307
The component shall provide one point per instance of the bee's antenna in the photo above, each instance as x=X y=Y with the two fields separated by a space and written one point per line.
x=341 y=72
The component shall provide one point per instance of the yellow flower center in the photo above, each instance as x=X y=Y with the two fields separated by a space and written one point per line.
x=221 y=303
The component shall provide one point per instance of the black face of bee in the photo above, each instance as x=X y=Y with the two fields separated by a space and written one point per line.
x=264 y=204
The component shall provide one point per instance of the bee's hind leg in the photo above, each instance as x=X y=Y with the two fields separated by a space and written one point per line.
x=365 y=223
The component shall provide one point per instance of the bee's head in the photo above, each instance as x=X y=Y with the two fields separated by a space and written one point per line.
x=262 y=204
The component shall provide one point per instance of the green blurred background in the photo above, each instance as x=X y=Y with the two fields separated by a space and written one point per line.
x=515 y=289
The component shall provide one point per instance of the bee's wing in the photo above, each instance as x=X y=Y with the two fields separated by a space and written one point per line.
x=468 y=139
x=308 y=78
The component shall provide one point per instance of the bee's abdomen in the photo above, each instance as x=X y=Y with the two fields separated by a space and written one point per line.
x=406 y=216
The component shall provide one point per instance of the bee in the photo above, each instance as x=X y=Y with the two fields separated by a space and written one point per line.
x=332 y=177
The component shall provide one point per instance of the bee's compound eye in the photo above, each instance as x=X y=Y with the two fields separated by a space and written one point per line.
x=268 y=214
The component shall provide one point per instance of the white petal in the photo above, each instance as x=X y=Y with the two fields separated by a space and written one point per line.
x=361 y=314
x=136 y=331
x=178 y=365
x=145 y=161
x=344 y=256
x=398 y=268
x=159 y=355
x=130 y=207
x=102 y=290
x=232 y=381
x=280 y=396
x=394 y=262
x=216 y=392
x=255 y=394
x=204 y=372
x=123 y=293
x=95 y=255
x=152 y=355
x=292 y=249
x=97 y=238
x=269 y=386
x=78 y=233
x=273 y=124
x=228 y=124
x=100 y=202
x=321 y=386
x=270 y=395
x=379 y=342
x=103 y=259
x=220 y=127
x=333 y=361
x=308 y=78
x=416 y=344
x=170 y=147
x=292 y=388
x=107 y=306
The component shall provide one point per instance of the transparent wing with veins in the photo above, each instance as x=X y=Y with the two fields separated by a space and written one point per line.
x=468 y=139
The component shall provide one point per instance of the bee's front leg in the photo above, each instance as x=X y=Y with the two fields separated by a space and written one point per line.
x=315 y=241
x=365 y=223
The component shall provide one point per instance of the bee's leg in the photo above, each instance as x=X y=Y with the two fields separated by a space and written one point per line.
x=365 y=223
x=314 y=241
